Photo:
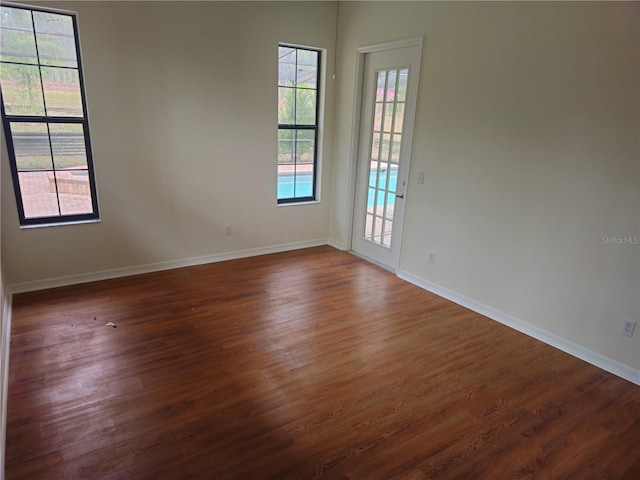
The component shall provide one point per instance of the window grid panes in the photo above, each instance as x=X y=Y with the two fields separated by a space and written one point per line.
x=298 y=86
x=384 y=158
x=44 y=116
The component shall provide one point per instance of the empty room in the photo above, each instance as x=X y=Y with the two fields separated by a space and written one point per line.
x=332 y=239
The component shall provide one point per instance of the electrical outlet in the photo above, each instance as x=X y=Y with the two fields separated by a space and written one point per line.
x=227 y=230
x=628 y=327
x=432 y=257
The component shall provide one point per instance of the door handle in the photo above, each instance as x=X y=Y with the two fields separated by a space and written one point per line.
x=399 y=195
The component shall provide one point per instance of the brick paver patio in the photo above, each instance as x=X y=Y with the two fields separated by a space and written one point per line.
x=39 y=197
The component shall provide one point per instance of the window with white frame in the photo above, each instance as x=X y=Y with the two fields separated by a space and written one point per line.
x=44 y=116
x=298 y=107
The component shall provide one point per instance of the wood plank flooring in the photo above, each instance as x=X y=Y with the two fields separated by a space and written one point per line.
x=301 y=365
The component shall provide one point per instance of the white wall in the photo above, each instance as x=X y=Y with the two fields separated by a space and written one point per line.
x=527 y=128
x=182 y=100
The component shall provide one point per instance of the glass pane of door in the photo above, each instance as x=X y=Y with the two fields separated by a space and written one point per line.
x=384 y=153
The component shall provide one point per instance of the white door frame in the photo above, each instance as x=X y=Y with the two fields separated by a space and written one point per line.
x=356 y=121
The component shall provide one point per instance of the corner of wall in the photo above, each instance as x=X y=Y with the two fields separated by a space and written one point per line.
x=335 y=244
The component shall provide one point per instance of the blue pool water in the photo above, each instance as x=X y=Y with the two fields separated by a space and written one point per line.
x=303 y=187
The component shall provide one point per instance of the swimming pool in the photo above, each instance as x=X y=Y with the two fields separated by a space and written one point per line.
x=303 y=185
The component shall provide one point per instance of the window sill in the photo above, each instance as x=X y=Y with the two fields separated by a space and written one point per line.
x=296 y=204
x=57 y=224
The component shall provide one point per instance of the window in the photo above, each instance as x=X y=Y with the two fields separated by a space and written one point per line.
x=298 y=106
x=44 y=116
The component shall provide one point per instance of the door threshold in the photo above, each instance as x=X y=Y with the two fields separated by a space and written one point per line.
x=375 y=262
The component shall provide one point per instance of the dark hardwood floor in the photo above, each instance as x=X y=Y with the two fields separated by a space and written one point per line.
x=307 y=364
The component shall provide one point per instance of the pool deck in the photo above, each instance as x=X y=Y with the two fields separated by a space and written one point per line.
x=301 y=168
x=39 y=200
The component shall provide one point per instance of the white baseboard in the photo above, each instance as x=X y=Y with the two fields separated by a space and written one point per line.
x=337 y=245
x=4 y=375
x=594 y=358
x=156 y=267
